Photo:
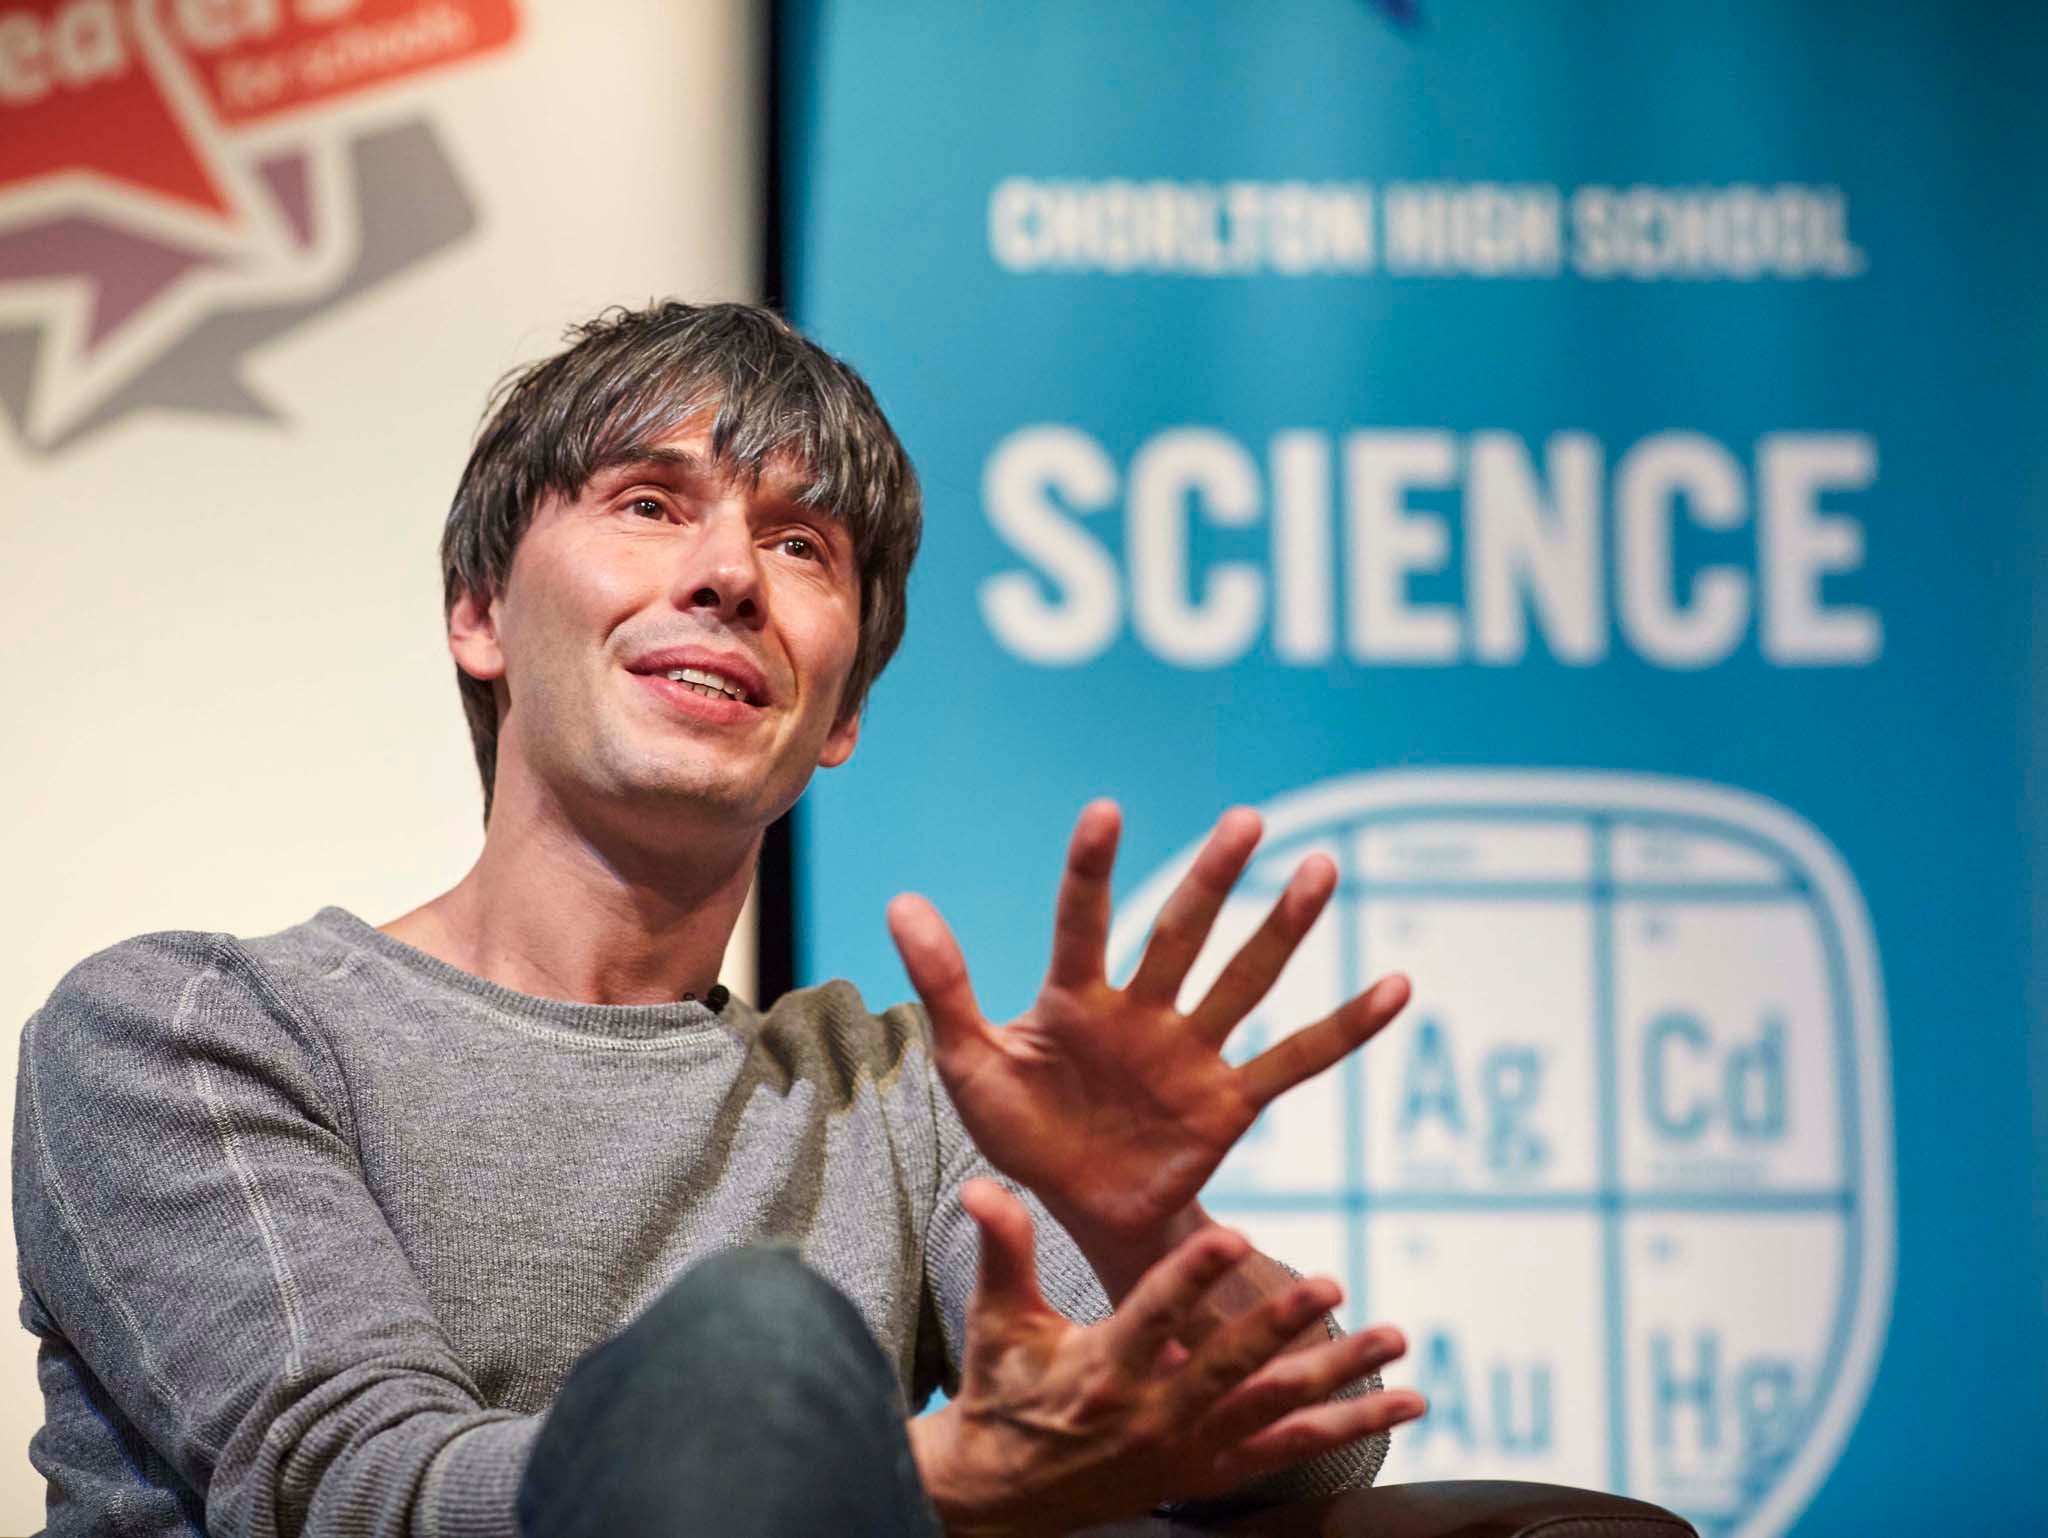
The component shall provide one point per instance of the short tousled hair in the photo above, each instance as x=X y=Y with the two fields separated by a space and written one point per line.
x=631 y=378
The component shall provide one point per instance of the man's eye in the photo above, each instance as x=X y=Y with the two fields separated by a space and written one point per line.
x=806 y=549
x=648 y=507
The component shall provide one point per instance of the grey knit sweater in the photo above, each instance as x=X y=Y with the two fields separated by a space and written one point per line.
x=313 y=1226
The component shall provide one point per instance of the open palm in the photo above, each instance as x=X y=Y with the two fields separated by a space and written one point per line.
x=1111 y=1104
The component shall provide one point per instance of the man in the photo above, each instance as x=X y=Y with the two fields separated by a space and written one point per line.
x=456 y=1226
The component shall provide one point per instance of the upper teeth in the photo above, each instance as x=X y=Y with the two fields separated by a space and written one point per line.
x=707 y=680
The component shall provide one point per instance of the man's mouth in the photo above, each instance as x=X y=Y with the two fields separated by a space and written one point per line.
x=710 y=685
x=713 y=674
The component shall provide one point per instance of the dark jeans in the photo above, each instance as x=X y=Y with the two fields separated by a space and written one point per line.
x=749 y=1400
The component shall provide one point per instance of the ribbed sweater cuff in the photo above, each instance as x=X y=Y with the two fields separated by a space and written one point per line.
x=472 y=1491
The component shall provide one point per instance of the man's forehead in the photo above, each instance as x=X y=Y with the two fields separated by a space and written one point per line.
x=688 y=454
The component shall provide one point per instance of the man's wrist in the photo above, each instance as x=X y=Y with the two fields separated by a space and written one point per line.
x=963 y=1511
x=931 y=1438
x=1121 y=1258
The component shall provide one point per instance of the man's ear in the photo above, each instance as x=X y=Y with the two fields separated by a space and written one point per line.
x=839 y=742
x=473 y=637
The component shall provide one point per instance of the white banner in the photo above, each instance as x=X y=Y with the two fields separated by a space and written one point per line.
x=238 y=379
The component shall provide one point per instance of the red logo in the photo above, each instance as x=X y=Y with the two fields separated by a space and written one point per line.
x=163 y=163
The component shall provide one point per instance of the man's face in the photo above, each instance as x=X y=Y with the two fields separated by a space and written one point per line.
x=621 y=606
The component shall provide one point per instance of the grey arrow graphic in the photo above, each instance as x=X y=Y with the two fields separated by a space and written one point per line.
x=125 y=270
x=410 y=205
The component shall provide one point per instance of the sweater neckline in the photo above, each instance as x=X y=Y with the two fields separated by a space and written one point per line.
x=619 y=1021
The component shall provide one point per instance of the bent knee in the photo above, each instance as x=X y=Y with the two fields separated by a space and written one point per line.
x=766 y=1279
x=762 y=1300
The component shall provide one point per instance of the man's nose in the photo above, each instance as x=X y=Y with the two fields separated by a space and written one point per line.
x=720 y=570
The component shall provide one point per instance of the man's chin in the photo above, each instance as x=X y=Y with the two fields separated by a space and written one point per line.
x=697 y=806
x=655 y=795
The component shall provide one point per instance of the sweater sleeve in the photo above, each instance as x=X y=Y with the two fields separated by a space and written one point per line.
x=191 y=1217
x=1070 y=1285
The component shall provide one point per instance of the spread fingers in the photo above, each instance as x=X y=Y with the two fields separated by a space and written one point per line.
x=1297 y=1058
x=1234 y=1351
x=1252 y=972
x=1169 y=1295
x=1315 y=1430
x=1190 y=911
x=1299 y=1378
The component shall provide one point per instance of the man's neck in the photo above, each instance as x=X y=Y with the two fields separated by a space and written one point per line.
x=552 y=911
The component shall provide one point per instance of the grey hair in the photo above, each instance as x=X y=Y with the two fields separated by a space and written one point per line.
x=629 y=379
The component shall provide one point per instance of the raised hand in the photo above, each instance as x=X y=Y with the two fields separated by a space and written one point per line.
x=1059 y=1425
x=1110 y=1104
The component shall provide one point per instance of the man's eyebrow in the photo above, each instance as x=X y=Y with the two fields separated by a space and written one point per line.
x=689 y=464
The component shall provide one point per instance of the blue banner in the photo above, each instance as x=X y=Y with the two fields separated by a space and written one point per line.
x=1576 y=467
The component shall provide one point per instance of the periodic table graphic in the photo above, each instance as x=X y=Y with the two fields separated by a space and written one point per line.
x=1622 y=1171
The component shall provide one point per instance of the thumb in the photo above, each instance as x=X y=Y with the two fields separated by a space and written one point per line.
x=939 y=974
x=1009 y=1272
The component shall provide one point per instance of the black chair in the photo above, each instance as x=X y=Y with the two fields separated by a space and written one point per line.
x=1448 y=1508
